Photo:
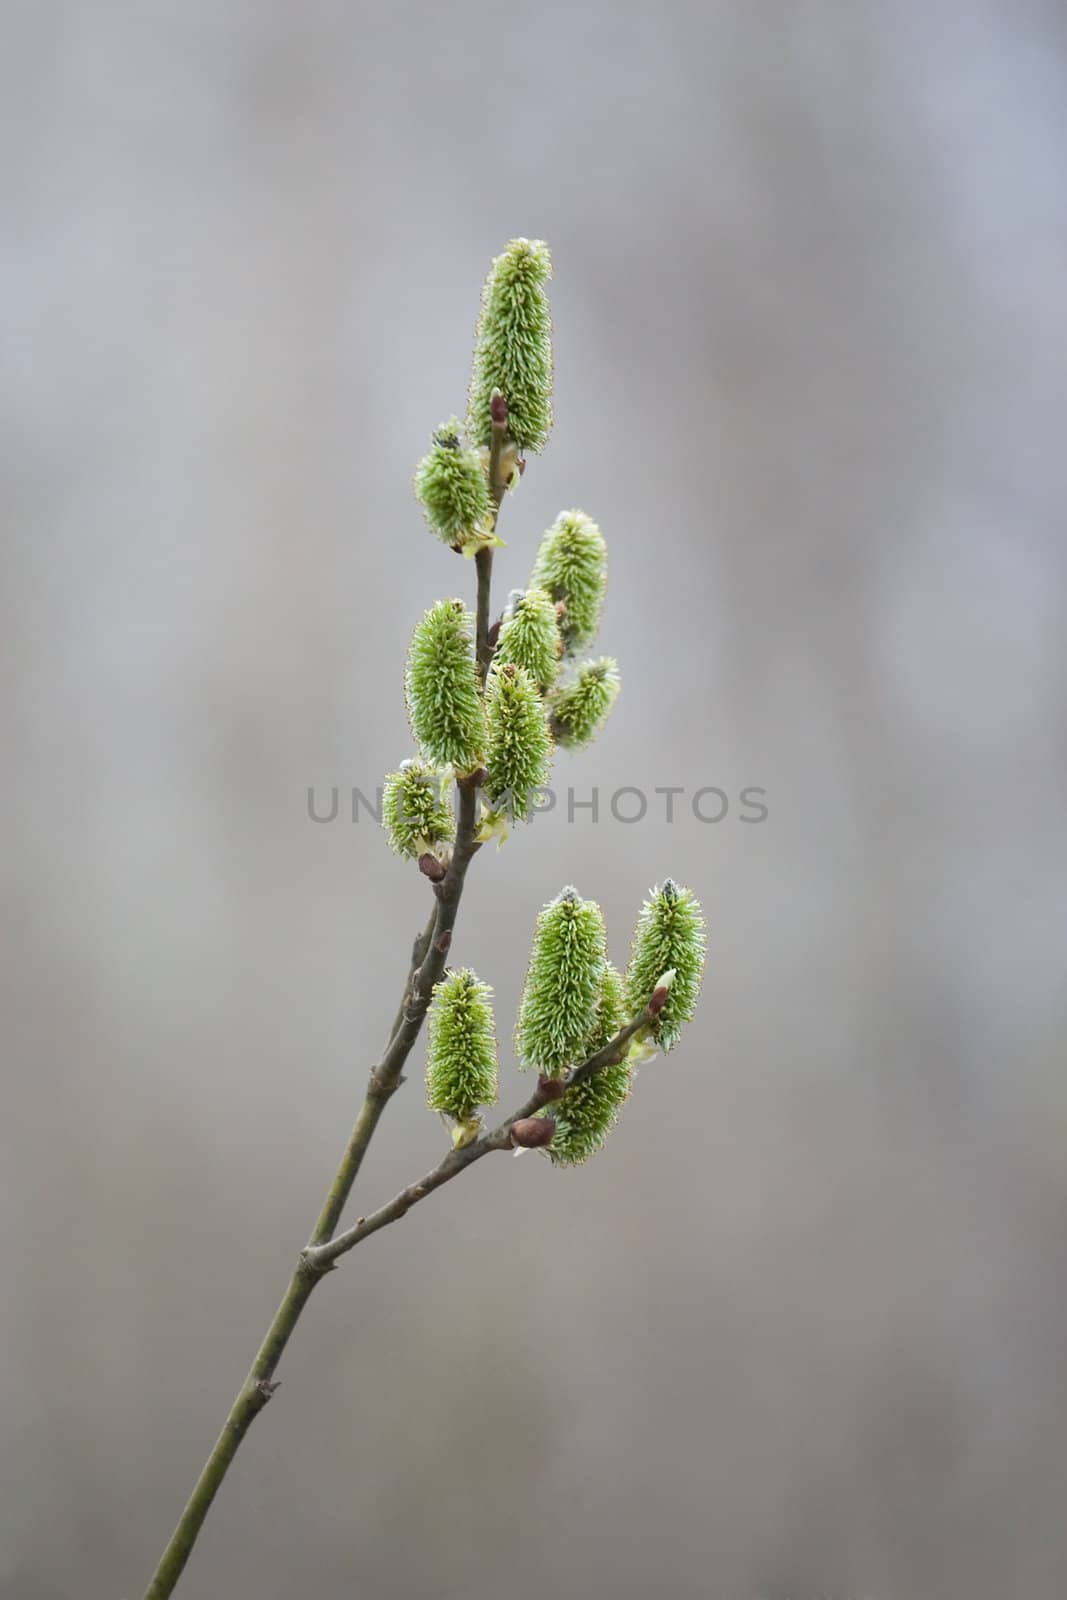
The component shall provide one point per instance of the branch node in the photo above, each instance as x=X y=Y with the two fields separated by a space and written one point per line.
x=472 y=780
x=311 y=1267
x=379 y=1087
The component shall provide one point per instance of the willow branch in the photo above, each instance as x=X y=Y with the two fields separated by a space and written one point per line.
x=321 y=1258
x=426 y=969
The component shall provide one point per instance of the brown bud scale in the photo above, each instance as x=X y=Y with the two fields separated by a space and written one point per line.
x=532 y=1133
x=430 y=867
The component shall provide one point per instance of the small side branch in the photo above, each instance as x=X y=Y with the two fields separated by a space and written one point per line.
x=319 y=1258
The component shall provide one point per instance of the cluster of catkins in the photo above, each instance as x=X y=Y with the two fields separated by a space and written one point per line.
x=540 y=691
x=536 y=694
x=574 y=1002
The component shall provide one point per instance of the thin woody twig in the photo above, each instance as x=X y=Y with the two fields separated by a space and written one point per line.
x=322 y=1258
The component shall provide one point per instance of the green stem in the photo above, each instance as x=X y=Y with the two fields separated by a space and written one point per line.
x=379 y=1089
x=254 y=1394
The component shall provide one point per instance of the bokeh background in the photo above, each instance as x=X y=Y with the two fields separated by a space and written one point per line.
x=801 y=1330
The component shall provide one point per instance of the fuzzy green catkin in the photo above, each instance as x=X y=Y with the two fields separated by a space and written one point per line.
x=588 y=1112
x=513 y=347
x=669 y=937
x=451 y=486
x=558 y=1011
x=444 y=705
x=579 y=709
x=461 y=1058
x=518 y=747
x=414 y=810
x=571 y=565
x=530 y=637
x=610 y=1009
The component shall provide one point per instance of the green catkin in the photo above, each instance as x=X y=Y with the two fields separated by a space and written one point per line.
x=461 y=1058
x=558 y=1012
x=451 y=486
x=669 y=938
x=513 y=347
x=444 y=705
x=530 y=637
x=415 y=812
x=579 y=709
x=610 y=1009
x=518 y=747
x=588 y=1112
x=571 y=565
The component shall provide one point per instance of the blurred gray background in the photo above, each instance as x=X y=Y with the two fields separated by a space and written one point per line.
x=801 y=1330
